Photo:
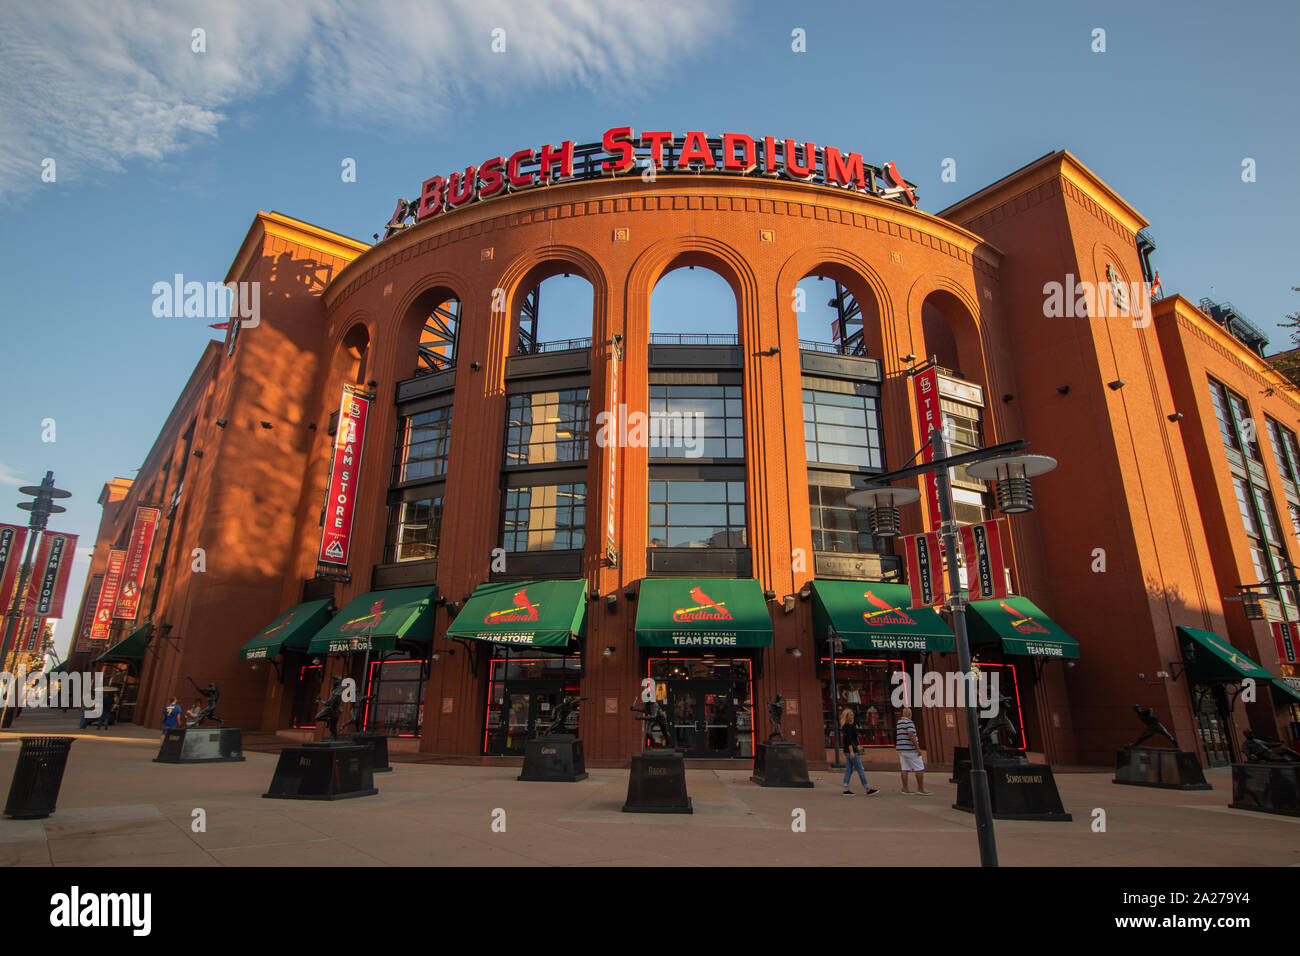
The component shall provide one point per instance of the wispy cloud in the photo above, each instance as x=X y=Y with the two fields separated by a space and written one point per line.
x=10 y=477
x=97 y=85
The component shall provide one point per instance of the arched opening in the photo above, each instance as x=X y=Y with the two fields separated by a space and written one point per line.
x=939 y=340
x=555 y=314
x=693 y=306
x=836 y=315
x=354 y=354
x=436 y=317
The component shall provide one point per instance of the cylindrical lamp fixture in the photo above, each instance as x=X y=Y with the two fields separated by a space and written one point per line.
x=1011 y=473
x=1253 y=607
x=884 y=503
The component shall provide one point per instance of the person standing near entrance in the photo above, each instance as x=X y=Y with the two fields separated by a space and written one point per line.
x=909 y=752
x=171 y=715
x=852 y=759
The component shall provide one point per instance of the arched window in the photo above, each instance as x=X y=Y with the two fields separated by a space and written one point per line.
x=437 y=346
x=556 y=315
x=693 y=306
x=832 y=319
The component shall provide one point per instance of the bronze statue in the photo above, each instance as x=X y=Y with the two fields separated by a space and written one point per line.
x=209 y=710
x=775 y=709
x=1153 y=726
x=333 y=708
x=654 y=713
x=358 y=714
x=560 y=716
x=992 y=729
x=1267 y=751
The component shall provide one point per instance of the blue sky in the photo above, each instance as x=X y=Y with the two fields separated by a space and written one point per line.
x=163 y=155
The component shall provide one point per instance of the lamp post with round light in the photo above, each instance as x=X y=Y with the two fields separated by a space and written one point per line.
x=1012 y=473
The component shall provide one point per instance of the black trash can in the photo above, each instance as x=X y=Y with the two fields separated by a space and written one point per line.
x=37 y=778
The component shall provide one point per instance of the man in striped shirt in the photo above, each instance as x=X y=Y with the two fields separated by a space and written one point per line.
x=909 y=751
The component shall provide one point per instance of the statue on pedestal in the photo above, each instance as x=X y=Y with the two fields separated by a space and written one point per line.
x=210 y=694
x=775 y=710
x=654 y=713
x=333 y=708
x=1153 y=726
x=560 y=716
x=1267 y=751
x=993 y=728
x=358 y=714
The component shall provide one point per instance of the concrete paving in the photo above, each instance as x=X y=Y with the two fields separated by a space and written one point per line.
x=118 y=808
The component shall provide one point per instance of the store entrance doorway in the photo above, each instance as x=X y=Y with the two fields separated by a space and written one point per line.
x=703 y=717
x=527 y=712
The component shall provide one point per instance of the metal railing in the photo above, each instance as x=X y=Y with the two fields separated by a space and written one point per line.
x=558 y=345
x=693 y=338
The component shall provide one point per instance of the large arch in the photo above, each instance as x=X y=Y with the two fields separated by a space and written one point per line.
x=428 y=327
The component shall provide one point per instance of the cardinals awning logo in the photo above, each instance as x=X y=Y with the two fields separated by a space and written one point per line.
x=524 y=610
x=1023 y=625
x=272 y=631
x=366 y=621
x=705 y=609
x=885 y=614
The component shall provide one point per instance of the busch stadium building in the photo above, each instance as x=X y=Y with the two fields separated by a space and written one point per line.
x=396 y=473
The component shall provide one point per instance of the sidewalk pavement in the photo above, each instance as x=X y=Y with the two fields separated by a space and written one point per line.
x=118 y=808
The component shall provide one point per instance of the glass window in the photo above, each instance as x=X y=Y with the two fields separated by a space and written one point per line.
x=547 y=427
x=696 y=421
x=697 y=514
x=837 y=525
x=1244 y=425
x=841 y=429
x=1295 y=519
x=397 y=709
x=1284 y=446
x=413 y=529
x=545 y=518
x=422 y=445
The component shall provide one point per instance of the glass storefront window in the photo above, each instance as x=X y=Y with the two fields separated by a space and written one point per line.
x=837 y=525
x=545 y=518
x=709 y=702
x=422 y=441
x=864 y=687
x=524 y=687
x=697 y=514
x=547 y=427
x=841 y=429
x=710 y=416
x=398 y=707
x=413 y=529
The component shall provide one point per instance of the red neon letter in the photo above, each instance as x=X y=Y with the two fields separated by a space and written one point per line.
x=489 y=177
x=518 y=181
x=695 y=149
x=461 y=191
x=792 y=159
x=729 y=161
x=431 y=197
x=844 y=172
x=656 y=143
x=563 y=156
x=618 y=140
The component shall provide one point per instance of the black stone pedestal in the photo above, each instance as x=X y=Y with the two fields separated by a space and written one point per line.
x=959 y=754
x=554 y=757
x=376 y=748
x=201 y=745
x=657 y=784
x=1017 y=791
x=1267 y=787
x=328 y=770
x=780 y=763
x=1155 y=767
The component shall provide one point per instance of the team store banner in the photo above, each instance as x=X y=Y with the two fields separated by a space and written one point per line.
x=982 y=546
x=336 y=538
x=926 y=386
x=127 y=604
x=924 y=558
x=12 y=539
x=99 y=630
x=49 y=584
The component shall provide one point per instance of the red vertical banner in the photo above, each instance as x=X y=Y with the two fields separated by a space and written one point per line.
x=12 y=539
x=1284 y=635
x=924 y=568
x=611 y=460
x=986 y=576
x=35 y=631
x=81 y=640
x=926 y=387
x=340 y=502
x=49 y=582
x=99 y=628
x=127 y=604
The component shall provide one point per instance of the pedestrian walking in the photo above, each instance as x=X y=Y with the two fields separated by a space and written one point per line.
x=852 y=760
x=911 y=757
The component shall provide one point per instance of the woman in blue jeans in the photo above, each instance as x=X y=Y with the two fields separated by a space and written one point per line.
x=849 y=737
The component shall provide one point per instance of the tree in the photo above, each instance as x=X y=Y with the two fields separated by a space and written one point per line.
x=1288 y=363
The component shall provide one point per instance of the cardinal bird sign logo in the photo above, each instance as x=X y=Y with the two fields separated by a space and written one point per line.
x=704 y=609
x=366 y=621
x=880 y=613
x=272 y=631
x=1025 y=624
x=523 y=610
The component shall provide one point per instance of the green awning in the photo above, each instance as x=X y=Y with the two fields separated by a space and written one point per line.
x=871 y=616
x=1021 y=627
x=702 y=612
x=1286 y=690
x=129 y=648
x=377 y=620
x=1212 y=660
x=292 y=630
x=532 y=613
